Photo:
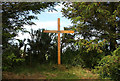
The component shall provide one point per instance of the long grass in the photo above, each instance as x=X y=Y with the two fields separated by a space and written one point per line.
x=47 y=71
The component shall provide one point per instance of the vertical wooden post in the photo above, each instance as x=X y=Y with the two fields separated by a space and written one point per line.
x=58 y=31
x=59 y=61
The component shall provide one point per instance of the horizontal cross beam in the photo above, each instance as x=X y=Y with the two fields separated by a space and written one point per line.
x=56 y=31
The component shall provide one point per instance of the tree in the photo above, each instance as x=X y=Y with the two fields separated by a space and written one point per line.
x=67 y=40
x=92 y=20
x=17 y=14
x=14 y=16
x=39 y=45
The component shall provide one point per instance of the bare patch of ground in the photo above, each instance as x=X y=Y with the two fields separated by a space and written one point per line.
x=11 y=75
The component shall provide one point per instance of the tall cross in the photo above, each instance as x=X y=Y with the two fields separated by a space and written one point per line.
x=58 y=31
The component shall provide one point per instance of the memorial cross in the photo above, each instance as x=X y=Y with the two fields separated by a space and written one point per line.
x=58 y=31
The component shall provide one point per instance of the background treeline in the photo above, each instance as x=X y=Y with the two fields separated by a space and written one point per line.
x=94 y=45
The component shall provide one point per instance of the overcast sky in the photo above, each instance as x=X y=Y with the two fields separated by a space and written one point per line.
x=48 y=21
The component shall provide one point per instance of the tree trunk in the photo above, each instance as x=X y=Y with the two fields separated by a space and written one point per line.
x=113 y=44
x=24 y=52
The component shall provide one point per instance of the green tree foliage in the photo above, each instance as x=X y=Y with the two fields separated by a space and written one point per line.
x=76 y=50
x=67 y=40
x=39 y=46
x=68 y=49
x=10 y=58
x=14 y=16
x=20 y=44
x=91 y=52
x=17 y=14
x=92 y=45
x=53 y=50
x=71 y=57
x=84 y=53
x=109 y=66
x=92 y=20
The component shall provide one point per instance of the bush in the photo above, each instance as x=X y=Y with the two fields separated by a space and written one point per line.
x=71 y=57
x=91 y=58
x=88 y=54
x=10 y=61
x=91 y=51
x=109 y=66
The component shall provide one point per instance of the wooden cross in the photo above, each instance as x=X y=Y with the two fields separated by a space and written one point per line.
x=58 y=31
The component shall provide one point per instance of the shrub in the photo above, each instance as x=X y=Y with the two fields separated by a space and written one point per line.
x=91 y=51
x=109 y=66
x=71 y=57
x=10 y=61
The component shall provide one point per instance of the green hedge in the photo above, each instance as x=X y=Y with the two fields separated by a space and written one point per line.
x=109 y=66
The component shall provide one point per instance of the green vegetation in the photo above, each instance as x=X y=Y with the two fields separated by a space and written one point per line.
x=109 y=66
x=100 y=21
x=95 y=45
x=54 y=72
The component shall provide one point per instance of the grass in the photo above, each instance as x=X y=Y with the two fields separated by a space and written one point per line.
x=53 y=72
